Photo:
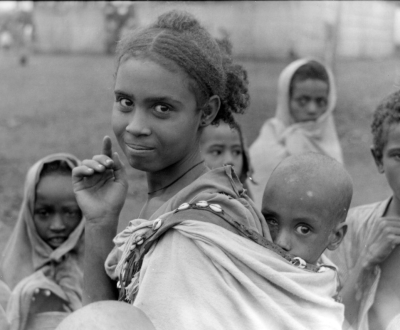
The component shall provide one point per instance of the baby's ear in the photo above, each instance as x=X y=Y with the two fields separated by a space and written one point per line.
x=377 y=158
x=337 y=236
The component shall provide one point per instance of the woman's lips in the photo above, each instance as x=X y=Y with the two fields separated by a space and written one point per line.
x=138 y=149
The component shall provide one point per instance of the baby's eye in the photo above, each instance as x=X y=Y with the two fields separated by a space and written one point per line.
x=160 y=108
x=271 y=222
x=303 y=230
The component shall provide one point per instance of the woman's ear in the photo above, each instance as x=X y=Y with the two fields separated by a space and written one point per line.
x=337 y=236
x=378 y=159
x=210 y=110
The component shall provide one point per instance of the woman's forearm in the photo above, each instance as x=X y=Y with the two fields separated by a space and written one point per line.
x=98 y=244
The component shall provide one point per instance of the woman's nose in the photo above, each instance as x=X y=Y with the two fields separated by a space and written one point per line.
x=138 y=124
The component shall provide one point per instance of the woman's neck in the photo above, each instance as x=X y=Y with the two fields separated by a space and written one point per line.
x=393 y=209
x=165 y=184
x=175 y=177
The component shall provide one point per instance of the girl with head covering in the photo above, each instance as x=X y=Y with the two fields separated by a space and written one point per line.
x=200 y=255
x=42 y=259
x=303 y=121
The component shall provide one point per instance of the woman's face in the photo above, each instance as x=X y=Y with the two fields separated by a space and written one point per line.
x=221 y=145
x=309 y=100
x=155 y=116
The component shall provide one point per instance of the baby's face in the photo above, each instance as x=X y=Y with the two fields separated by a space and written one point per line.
x=56 y=212
x=309 y=100
x=298 y=219
x=221 y=145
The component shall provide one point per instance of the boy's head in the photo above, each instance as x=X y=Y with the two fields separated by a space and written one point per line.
x=386 y=140
x=308 y=92
x=222 y=145
x=305 y=204
x=56 y=211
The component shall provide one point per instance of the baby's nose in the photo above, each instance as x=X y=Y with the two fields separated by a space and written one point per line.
x=283 y=240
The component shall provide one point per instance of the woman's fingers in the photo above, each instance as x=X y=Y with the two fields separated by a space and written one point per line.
x=119 y=168
x=79 y=172
x=107 y=146
x=94 y=164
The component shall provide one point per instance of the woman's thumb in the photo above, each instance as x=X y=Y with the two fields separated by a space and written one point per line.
x=119 y=168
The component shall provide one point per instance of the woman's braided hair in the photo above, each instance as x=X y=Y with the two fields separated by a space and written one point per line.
x=386 y=114
x=177 y=39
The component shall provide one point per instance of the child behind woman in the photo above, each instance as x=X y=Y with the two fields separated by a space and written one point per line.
x=303 y=121
x=319 y=200
x=222 y=144
x=41 y=262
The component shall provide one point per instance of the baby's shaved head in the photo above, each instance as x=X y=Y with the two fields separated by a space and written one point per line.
x=317 y=176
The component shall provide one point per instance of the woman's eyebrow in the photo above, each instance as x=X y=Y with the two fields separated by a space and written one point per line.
x=122 y=93
x=162 y=99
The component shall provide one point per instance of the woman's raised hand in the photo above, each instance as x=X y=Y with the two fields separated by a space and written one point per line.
x=100 y=185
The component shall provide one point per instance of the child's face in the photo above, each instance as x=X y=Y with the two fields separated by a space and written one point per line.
x=309 y=100
x=155 y=116
x=390 y=161
x=298 y=219
x=221 y=145
x=56 y=212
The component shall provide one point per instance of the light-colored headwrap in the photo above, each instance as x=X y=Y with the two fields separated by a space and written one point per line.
x=30 y=264
x=26 y=252
x=281 y=136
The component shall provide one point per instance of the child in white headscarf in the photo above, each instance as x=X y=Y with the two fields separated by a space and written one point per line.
x=303 y=121
x=42 y=260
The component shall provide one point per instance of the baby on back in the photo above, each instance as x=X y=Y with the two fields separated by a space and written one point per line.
x=305 y=204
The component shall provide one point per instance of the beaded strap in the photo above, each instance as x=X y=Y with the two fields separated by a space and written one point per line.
x=129 y=277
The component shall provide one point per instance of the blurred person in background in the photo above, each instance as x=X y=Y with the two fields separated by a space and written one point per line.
x=303 y=121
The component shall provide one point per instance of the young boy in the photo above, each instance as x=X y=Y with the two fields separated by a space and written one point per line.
x=305 y=204
x=369 y=258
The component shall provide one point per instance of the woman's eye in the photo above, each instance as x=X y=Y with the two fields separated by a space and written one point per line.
x=303 y=230
x=160 y=108
x=125 y=102
x=237 y=153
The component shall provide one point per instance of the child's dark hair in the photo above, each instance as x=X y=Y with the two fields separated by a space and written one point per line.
x=387 y=113
x=56 y=167
x=177 y=39
x=311 y=70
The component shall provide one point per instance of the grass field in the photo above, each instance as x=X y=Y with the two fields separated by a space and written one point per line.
x=63 y=103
